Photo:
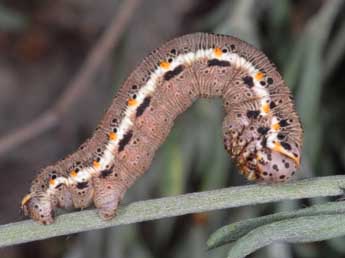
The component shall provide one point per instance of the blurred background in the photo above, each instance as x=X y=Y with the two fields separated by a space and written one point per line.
x=43 y=44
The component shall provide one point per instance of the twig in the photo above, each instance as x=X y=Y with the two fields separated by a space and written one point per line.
x=78 y=85
x=26 y=231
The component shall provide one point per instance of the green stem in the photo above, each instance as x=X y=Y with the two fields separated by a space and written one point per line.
x=26 y=231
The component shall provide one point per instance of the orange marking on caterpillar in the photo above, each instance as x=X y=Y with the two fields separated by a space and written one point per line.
x=112 y=136
x=164 y=65
x=276 y=127
x=217 y=52
x=25 y=199
x=259 y=76
x=251 y=176
x=266 y=108
x=132 y=102
x=73 y=173
x=279 y=148
x=96 y=164
x=258 y=157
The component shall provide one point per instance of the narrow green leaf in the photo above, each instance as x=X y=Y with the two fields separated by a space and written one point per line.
x=297 y=230
x=335 y=51
x=238 y=23
x=309 y=91
x=293 y=66
x=236 y=230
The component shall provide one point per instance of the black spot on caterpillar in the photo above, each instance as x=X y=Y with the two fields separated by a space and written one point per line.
x=141 y=109
x=106 y=172
x=125 y=140
x=262 y=131
x=286 y=145
x=272 y=105
x=283 y=123
x=253 y=113
x=264 y=142
x=216 y=62
x=280 y=136
x=82 y=185
x=248 y=80
x=171 y=74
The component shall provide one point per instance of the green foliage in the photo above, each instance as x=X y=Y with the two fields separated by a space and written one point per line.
x=297 y=230
x=236 y=231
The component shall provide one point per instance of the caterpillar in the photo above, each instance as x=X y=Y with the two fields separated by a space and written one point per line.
x=262 y=131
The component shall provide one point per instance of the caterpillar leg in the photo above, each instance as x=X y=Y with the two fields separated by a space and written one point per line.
x=81 y=193
x=108 y=192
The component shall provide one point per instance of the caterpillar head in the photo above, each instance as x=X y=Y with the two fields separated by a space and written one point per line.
x=38 y=207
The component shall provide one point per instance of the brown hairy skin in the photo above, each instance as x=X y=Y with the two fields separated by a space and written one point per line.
x=262 y=131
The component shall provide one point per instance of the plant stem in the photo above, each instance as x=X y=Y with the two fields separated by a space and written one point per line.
x=26 y=231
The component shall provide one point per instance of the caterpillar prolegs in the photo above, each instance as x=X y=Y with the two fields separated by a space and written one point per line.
x=262 y=132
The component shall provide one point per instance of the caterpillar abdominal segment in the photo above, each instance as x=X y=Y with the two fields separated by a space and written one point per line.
x=262 y=132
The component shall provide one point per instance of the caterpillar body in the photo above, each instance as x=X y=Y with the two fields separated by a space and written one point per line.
x=262 y=132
